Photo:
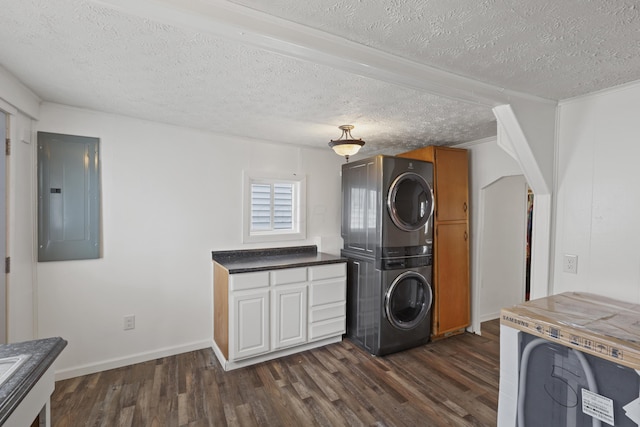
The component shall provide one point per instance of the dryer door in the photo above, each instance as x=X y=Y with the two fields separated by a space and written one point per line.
x=410 y=201
x=408 y=300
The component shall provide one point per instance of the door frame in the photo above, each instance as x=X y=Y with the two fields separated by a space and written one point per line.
x=4 y=172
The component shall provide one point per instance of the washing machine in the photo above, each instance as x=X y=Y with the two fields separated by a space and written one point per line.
x=387 y=207
x=389 y=302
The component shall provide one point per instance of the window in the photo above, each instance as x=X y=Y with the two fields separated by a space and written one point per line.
x=273 y=207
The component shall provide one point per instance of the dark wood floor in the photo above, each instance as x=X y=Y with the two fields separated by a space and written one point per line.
x=451 y=382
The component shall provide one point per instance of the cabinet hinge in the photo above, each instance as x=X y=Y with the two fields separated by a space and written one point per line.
x=7 y=145
x=7 y=265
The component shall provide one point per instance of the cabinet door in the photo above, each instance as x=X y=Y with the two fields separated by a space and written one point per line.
x=289 y=315
x=451 y=181
x=250 y=323
x=452 y=277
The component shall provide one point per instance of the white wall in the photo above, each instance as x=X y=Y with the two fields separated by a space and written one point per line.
x=503 y=246
x=170 y=196
x=487 y=163
x=598 y=201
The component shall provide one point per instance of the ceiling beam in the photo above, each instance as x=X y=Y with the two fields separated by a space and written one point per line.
x=229 y=20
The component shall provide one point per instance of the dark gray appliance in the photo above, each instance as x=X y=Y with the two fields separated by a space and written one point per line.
x=387 y=207
x=387 y=232
x=389 y=302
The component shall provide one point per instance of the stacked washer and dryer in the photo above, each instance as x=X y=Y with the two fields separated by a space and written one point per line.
x=387 y=229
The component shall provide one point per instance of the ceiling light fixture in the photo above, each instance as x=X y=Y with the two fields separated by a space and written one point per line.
x=346 y=145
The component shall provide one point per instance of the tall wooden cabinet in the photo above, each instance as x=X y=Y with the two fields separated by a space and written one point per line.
x=451 y=287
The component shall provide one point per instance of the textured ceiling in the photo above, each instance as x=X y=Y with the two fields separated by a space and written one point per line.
x=553 y=49
x=86 y=54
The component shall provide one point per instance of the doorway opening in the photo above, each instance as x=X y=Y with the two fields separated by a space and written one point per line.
x=527 y=280
x=502 y=251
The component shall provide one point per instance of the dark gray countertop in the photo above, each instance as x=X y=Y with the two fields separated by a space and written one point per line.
x=43 y=353
x=244 y=261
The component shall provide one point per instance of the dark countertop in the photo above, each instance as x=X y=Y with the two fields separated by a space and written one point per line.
x=43 y=353
x=245 y=261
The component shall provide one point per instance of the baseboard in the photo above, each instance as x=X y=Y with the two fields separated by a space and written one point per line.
x=228 y=366
x=105 y=365
x=489 y=316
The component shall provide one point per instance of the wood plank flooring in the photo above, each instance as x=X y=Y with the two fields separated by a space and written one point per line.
x=450 y=382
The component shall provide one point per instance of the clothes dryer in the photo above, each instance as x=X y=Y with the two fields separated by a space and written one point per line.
x=387 y=207
x=389 y=303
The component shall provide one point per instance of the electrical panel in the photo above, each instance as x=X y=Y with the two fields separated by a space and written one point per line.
x=68 y=197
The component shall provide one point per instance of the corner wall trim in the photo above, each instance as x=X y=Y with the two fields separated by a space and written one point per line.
x=517 y=145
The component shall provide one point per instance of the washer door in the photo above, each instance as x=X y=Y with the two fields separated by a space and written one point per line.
x=408 y=300
x=410 y=201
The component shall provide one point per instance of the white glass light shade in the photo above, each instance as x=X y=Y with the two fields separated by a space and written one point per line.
x=346 y=149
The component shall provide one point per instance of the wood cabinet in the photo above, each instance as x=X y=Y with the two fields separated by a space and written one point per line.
x=451 y=276
x=451 y=308
x=267 y=314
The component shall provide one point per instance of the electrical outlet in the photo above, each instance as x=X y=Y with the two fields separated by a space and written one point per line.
x=570 y=264
x=129 y=322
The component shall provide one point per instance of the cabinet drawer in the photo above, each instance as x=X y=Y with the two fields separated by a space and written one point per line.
x=327 y=292
x=327 y=328
x=288 y=275
x=325 y=312
x=320 y=272
x=242 y=281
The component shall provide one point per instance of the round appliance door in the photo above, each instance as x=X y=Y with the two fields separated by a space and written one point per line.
x=410 y=201
x=408 y=300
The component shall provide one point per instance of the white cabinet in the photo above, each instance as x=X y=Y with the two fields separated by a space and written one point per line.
x=249 y=311
x=267 y=314
x=251 y=321
x=289 y=313
x=327 y=300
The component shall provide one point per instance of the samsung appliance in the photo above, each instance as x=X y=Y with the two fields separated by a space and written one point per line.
x=562 y=386
x=570 y=359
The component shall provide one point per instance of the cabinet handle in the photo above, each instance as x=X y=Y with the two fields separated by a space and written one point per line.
x=464 y=206
x=466 y=235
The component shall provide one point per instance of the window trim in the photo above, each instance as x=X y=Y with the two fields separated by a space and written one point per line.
x=299 y=231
